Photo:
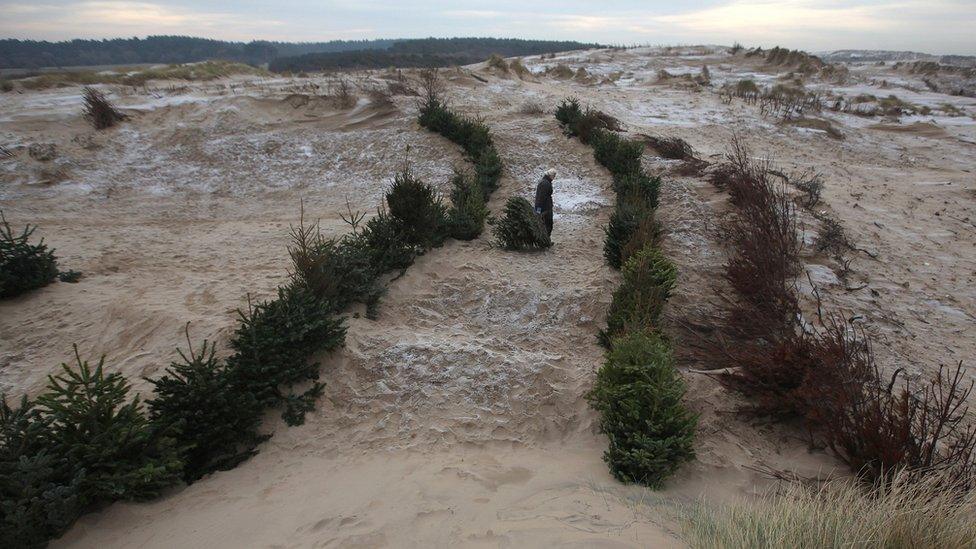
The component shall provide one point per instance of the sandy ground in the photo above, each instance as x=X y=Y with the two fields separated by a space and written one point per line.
x=457 y=417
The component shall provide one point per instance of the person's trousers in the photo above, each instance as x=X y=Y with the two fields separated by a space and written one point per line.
x=547 y=218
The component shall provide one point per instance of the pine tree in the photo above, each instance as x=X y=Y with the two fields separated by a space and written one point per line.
x=94 y=428
x=274 y=344
x=23 y=266
x=520 y=228
x=639 y=395
x=215 y=420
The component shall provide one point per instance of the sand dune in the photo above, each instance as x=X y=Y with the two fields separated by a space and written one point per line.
x=457 y=417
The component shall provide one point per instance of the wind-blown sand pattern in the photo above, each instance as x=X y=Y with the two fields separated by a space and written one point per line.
x=457 y=417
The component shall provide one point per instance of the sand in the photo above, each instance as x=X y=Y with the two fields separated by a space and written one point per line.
x=456 y=418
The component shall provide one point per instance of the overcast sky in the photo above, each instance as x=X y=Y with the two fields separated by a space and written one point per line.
x=934 y=26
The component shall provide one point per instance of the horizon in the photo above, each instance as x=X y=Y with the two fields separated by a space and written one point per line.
x=936 y=27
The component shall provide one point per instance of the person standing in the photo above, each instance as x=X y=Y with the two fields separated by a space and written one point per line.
x=543 y=198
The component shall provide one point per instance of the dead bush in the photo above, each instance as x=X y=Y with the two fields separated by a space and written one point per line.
x=340 y=90
x=560 y=71
x=766 y=246
x=673 y=148
x=519 y=68
x=497 y=62
x=832 y=239
x=811 y=184
x=532 y=107
x=401 y=88
x=99 y=111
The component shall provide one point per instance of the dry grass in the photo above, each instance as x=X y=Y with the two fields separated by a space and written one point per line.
x=532 y=107
x=208 y=70
x=907 y=513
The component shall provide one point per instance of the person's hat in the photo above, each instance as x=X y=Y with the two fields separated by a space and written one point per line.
x=551 y=172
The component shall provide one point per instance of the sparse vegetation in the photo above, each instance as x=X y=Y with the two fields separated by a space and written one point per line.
x=838 y=514
x=191 y=72
x=520 y=228
x=99 y=111
x=532 y=107
x=497 y=62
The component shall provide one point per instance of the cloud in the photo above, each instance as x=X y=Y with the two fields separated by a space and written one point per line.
x=476 y=14
x=939 y=26
x=124 y=18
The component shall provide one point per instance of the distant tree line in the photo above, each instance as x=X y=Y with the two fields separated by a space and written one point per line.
x=427 y=52
x=336 y=54
x=31 y=54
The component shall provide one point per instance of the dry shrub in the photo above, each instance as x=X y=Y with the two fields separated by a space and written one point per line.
x=340 y=91
x=532 y=107
x=519 y=68
x=766 y=246
x=826 y=375
x=674 y=148
x=811 y=184
x=401 y=88
x=560 y=71
x=99 y=111
x=690 y=167
x=878 y=428
x=497 y=62
x=832 y=239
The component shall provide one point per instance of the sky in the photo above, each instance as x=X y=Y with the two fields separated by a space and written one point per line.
x=932 y=26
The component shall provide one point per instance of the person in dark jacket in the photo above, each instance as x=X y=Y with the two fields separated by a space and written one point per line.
x=543 y=198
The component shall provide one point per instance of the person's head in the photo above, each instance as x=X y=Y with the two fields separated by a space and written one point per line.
x=551 y=174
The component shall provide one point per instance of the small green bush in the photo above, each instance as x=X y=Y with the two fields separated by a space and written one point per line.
x=91 y=427
x=520 y=228
x=387 y=245
x=215 y=419
x=472 y=135
x=637 y=186
x=488 y=170
x=569 y=111
x=342 y=271
x=637 y=195
x=619 y=155
x=587 y=125
x=23 y=266
x=418 y=209
x=623 y=223
x=638 y=394
x=467 y=216
x=273 y=346
x=39 y=491
x=648 y=278
x=647 y=234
